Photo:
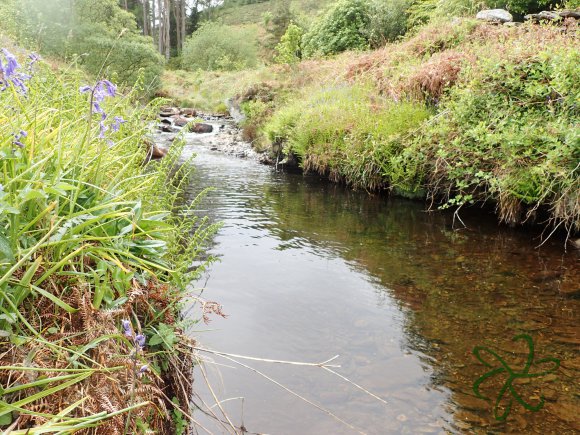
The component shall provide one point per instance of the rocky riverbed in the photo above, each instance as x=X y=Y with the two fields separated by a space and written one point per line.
x=217 y=132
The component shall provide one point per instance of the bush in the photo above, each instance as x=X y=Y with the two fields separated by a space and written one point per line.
x=388 y=21
x=288 y=49
x=343 y=27
x=217 y=47
x=97 y=34
x=356 y=25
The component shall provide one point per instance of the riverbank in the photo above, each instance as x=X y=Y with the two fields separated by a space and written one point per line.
x=460 y=113
x=94 y=262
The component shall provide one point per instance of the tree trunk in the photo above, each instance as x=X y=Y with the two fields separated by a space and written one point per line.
x=181 y=30
x=145 y=17
x=153 y=19
x=176 y=14
x=161 y=32
x=167 y=28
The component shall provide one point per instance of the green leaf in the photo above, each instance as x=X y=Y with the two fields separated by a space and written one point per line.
x=5 y=419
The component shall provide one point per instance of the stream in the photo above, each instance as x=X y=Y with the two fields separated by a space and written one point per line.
x=308 y=270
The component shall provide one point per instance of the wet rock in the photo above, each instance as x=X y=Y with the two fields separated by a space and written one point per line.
x=154 y=151
x=166 y=128
x=495 y=16
x=158 y=152
x=181 y=121
x=167 y=112
x=188 y=112
x=201 y=128
x=165 y=121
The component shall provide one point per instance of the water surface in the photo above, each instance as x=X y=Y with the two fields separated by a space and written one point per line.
x=309 y=270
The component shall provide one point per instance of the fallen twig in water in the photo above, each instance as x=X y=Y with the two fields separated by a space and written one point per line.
x=276 y=361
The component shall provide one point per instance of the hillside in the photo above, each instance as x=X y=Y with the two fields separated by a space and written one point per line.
x=238 y=14
x=458 y=113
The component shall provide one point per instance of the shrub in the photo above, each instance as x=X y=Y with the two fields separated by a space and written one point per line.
x=343 y=27
x=388 y=21
x=289 y=49
x=97 y=34
x=217 y=47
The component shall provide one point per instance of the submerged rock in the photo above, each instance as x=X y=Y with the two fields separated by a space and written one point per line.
x=201 y=128
x=495 y=16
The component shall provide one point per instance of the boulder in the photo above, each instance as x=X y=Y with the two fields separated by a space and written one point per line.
x=154 y=151
x=190 y=113
x=181 y=121
x=158 y=152
x=567 y=13
x=543 y=16
x=165 y=121
x=201 y=128
x=166 y=112
x=495 y=16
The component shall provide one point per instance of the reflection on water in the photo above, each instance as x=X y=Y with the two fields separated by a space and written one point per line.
x=309 y=270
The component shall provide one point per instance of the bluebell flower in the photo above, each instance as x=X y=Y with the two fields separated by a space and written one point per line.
x=127 y=328
x=140 y=341
x=32 y=59
x=103 y=89
x=9 y=73
x=17 y=138
x=116 y=125
x=143 y=369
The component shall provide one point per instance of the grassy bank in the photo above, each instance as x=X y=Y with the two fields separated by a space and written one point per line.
x=458 y=112
x=94 y=261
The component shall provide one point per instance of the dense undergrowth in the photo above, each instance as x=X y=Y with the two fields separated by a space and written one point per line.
x=94 y=261
x=458 y=112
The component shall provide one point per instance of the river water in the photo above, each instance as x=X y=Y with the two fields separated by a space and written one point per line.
x=308 y=270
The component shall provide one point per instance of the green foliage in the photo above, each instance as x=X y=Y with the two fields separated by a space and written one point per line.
x=217 y=47
x=356 y=25
x=422 y=11
x=388 y=21
x=97 y=34
x=339 y=132
x=343 y=27
x=87 y=232
x=510 y=133
x=288 y=49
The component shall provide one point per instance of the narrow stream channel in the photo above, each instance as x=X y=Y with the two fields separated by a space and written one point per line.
x=309 y=270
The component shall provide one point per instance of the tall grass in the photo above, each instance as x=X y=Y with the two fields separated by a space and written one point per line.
x=88 y=239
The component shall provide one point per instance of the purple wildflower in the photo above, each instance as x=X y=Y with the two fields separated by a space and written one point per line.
x=17 y=138
x=103 y=89
x=127 y=328
x=140 y=341
x=116 y=125
x=32 y=59
x=10 y=75
x=143 y=369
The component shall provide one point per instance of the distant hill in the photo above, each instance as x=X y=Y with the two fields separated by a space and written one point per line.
x=235 y=13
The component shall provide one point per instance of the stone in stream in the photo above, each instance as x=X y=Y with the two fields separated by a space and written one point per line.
x=201 y=128
x=155 y=151
x=188 y=112
x=495 y=16
x=166 y=128
x=167 y=112
x=180 y=121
